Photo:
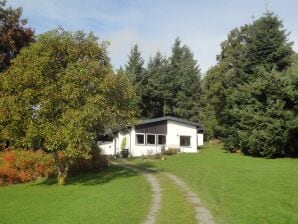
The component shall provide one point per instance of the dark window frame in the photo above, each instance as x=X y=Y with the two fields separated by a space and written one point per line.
x=137 y=143
x=163 y=136
x=185 y=136
x=147 y=138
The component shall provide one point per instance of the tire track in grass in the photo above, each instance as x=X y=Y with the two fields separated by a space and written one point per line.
x=156 y=196
x=175 y=208
x=203 y=215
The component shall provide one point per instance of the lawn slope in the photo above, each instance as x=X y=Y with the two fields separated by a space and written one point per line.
x=114 y=196
x=237 y=188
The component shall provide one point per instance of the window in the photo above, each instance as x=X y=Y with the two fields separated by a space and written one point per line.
x=184 y=140
x=161 y=139
x=140 y=139
x=150 y=139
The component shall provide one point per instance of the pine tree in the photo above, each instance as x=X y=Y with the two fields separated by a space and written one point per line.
x=152 y=88
x=262 y=117
x=262 y=44
x=184 y=80
x=135 y=66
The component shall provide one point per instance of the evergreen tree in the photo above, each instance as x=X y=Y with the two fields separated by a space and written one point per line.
x=184 y=82
x=167 y=87
x=153 y=88
x=262 y=118
x=135 y=66
x=264 y=43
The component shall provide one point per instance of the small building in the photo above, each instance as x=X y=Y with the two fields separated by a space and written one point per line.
x=154 y=135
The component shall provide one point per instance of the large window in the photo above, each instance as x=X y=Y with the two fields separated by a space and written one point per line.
x=150 y=139
x=161 y=139
x=140 y=139
x=184 y=140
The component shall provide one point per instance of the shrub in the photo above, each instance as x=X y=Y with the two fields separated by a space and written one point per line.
x=97 y=161
x=123 y=143
x=19 y=166
x=171 y=151
x=152 y=156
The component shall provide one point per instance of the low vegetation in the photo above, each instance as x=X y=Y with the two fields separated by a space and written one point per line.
x=20 y=166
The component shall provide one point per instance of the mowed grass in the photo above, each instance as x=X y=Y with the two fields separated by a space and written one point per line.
x=112 y=196
x=175 y=209
x=237 y=188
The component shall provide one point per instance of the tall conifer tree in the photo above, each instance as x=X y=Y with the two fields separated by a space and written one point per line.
x=135 y=66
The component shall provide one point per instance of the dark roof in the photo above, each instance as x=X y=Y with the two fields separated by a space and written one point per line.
x=169 y=118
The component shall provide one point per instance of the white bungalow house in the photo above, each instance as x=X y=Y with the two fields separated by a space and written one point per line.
x=150 y=136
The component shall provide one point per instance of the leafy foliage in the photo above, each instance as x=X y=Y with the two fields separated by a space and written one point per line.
x=19 y=166
x=14 y=34
x=123 y=143
x=60 y=94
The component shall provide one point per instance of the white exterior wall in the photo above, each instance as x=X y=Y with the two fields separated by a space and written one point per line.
x=175 y=130
x=140 y=150
x=107 y=147
x=200 y=139
x=119 y=138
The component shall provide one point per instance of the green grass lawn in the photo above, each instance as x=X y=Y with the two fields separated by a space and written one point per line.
x=237 y=188
x=175 y=209
x=113 y=196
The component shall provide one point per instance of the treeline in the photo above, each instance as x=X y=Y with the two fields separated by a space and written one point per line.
x=58 y=90
x=166 y=86
x=248 y=99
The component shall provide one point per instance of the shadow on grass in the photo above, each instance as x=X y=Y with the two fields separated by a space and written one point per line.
x=94 y=178
x=145 y=166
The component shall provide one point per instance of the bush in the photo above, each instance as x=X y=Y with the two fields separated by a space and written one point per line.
x=171 y=151
x=97 y=161
x=19 y=166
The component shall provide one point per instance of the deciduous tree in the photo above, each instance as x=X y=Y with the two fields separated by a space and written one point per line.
x=14 y=34
x=60 y=93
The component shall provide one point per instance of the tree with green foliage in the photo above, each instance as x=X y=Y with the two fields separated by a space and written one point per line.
x=135 y=66
x=60 y=93
x=184 y=82
x=262 y=119
x=262 y=44
x=168 y=86
x=152 y=89
x=14 y=34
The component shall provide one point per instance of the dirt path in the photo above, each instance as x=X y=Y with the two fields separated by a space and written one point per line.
x=156 y=196
x=203 y=215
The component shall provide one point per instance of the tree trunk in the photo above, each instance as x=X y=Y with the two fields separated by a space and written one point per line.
x=62 y=169
x=62 y=176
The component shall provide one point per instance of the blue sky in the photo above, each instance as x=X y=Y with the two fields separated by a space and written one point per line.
x=154 y=24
